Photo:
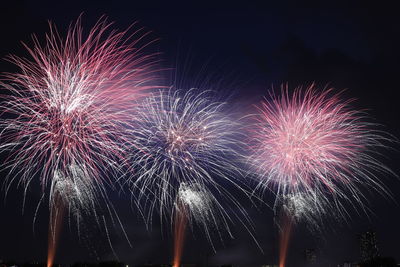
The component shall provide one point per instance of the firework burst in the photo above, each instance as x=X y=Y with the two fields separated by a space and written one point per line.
x=62 y=115
x=314 y=150
x=184 y=151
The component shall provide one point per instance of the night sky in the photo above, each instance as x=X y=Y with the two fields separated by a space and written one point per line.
x=248 y=48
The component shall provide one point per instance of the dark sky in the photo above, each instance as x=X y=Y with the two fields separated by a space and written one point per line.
x=251 y=46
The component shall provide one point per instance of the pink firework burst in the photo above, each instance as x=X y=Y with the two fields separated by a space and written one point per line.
x=63 y=114
x=314 y=144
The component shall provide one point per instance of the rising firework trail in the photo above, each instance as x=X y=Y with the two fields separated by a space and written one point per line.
x=64 y=111
x=184 y=158
x=315 y=152
x=180 y=223
x=286 y=231
x=55 y=225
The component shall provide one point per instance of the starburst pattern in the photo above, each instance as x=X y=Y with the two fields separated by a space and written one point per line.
x=313 y=148
x=183 y=148
x=64 y=109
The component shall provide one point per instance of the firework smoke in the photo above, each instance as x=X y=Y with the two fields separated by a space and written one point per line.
x=65 y=108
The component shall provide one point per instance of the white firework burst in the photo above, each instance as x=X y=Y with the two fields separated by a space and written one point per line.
x=74 y=190
x=200 y=207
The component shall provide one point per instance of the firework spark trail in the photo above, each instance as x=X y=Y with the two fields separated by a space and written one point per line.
x=313 y=145
x=63 y=115
x=285 y=238
x=180 y=223
x=55 y=225
x=184 y=148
